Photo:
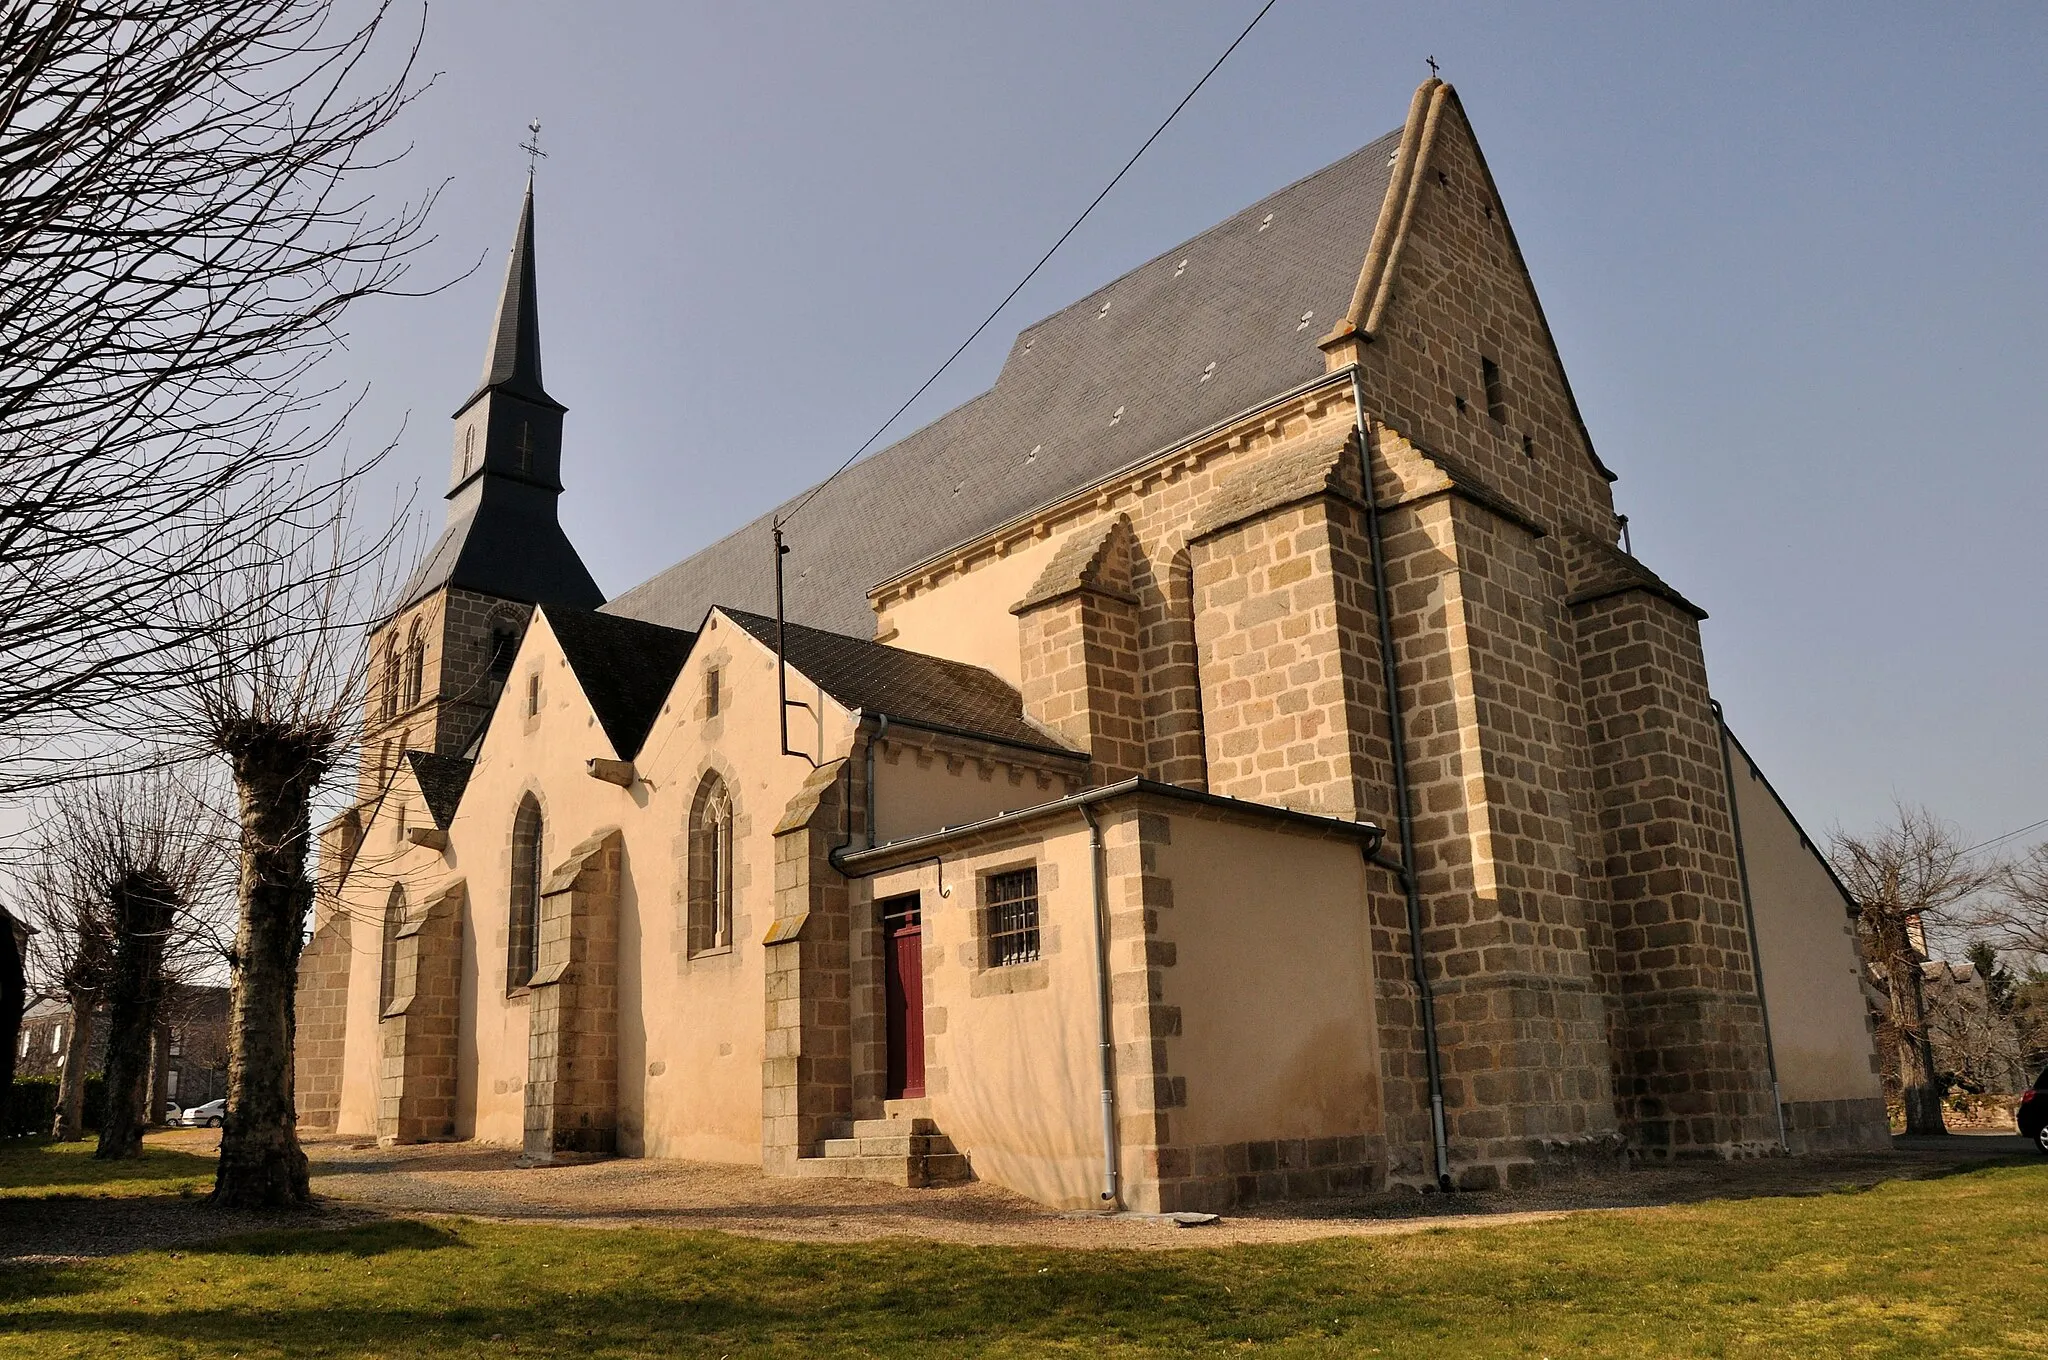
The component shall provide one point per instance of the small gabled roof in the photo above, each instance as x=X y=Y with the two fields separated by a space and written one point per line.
x=924 y=691
x=442 y=780
x=625 y=668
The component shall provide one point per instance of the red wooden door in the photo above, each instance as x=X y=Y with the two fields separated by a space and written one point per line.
x=903 y=1001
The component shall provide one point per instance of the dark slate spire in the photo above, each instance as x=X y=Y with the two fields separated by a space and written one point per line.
x=513 y=363
x=503 y=538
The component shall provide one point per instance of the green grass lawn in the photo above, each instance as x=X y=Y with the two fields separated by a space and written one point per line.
x=1955 y=1266
x=42 y=1170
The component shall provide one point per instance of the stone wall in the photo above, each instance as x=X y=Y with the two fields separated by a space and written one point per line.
x=417 y=1033
x=321 y=1009
x=572 y=1083
x=1689 y=1034
x=807 y=1077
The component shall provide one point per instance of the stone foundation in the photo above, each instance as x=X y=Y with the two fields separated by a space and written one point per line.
x=1225 y=1176
x=1839 y=1126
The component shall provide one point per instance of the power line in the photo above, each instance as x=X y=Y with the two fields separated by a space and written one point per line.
x=2030 y=826
x=1032 y=273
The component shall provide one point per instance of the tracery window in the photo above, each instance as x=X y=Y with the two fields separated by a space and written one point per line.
x=394 y=920
x=415 y=666
x=389 y=695
x=710 y=880
x=522 y=935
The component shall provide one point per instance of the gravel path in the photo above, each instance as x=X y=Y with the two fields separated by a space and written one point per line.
x=359 y=1181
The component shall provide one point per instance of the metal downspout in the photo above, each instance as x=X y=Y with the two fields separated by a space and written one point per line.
x=1756 y=955
x=1102 y=1001
x=874 y=738
x=1404 y=814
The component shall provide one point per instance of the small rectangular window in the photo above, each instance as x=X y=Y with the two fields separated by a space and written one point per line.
x=711 y=695
x=1496 y=395
x=533 y=695
x=1012 y=917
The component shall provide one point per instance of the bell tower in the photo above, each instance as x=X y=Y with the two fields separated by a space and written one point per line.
x=440 y=658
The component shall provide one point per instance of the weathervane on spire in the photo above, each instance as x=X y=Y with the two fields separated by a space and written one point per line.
x=531 y=146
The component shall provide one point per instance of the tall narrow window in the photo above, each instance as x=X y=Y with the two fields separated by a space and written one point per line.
x=522 y=934
x=1012 y=917
x=1496 y=395
x=525 y=446
x=533 y=694
x=394 y=920
x=415 y=666
x=711 y=693
x=504 y=642
x=468 y=449
x=389 y=697
x=710 y=901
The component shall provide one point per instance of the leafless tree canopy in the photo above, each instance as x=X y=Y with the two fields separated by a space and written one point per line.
x=1907 y=876
x=183 y=223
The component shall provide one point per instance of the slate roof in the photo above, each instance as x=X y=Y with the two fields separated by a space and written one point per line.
x=922 y=690
x=442 y=780
x=502 y=536
x=513 y=361
x=503 y=539
x=626 y=668
x=1204 y=331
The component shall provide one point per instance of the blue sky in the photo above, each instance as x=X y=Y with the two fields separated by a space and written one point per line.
x=1792 y=254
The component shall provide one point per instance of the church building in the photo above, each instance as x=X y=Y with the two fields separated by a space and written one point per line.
x=1234 y=758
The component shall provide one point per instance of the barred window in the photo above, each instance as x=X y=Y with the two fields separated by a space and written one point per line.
x=1012 y=917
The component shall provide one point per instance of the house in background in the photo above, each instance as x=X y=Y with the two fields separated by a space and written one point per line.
x=1231 y=759
x=193 y=1039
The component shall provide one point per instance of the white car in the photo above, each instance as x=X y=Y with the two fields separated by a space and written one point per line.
x=207 y=1116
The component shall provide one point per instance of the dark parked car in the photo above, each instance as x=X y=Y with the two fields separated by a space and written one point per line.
x=2033 y=1117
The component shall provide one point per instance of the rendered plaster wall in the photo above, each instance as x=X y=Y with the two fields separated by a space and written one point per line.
x=1257 y=915
x=1819 y=1030
x=924 y=782
x=1011 y=1054
x=690 y=1042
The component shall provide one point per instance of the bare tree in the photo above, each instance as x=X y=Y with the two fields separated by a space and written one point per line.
x=279 y=667
x=74 y=951
x=2015 y=918
x=1905 y=876
x=121 y=874
x=183 y=226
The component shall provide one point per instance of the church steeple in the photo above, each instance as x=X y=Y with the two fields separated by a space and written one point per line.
x=510 y=426
x=503 y=539
x=513 y=363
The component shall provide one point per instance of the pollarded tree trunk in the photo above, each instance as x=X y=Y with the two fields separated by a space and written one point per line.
x=143 y=911
x=69 y=1125
x=261 y=1163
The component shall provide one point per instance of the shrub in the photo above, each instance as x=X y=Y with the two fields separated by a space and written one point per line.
x=33 y=1107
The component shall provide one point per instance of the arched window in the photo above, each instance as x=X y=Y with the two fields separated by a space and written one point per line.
x=522 y=937
x=415 y=666
x=394 y=920
x=710 y=903
x=390 y=689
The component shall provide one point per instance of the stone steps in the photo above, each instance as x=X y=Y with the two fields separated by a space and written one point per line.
x=904 y=1148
